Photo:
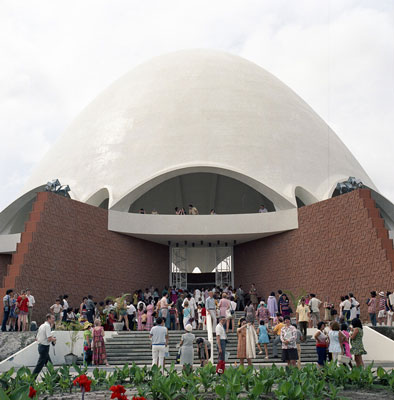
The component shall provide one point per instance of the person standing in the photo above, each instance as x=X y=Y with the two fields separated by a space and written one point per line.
x=186 y=346
x=372 y=308
x=288 y=337
x=253 y=296
x=224 y=309
x=30 y=306
x=314 y=305
x=272 y=304
x=250 y=312
x=247 y=339
x=335 y=340
x=264 y=339
x=356 y=340
x=277 y=330
x=303 y=315
x=179 y=307
x=22 y=302
x=240 y=298
x=347 y=305
x=90 y=308
x=382 y=308
x=221 y=339
x=159 y=338
x=99 y=355
x=44 y=338
x=192 y=210
x=7 y=299
x=211 y=308
x=56 y=309
x=355 y=305
x=321 y=344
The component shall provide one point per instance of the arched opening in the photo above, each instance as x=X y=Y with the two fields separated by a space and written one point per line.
x=206 y=191
x=303 y=197
x=14 y=217
x=100 y=199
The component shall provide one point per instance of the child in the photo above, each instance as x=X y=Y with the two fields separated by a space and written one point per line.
x=264 y=339
x=111 y=320
x=204 y=317
x=199 y=313
x=56 y=310
x=144 y=318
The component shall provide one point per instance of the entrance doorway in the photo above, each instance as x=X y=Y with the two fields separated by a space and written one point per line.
x=196 y=267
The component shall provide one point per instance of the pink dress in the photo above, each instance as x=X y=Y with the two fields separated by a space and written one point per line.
x=224 y=304
x=149 y=319
x=99 y=355
x=346 y=344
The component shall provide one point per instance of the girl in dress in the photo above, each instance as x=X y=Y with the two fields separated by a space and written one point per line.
x=264 y=339
x=345 y=342
x=356 y=340
x=199 y=313
x=186 y=313
x=98 y=346
x=335 y=340
x=149 y=315
x=140 y=313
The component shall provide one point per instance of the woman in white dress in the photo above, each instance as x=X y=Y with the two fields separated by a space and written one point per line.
x=186 y=345
x=335 y=340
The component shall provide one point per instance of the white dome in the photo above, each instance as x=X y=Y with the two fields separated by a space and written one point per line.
x=198 y=111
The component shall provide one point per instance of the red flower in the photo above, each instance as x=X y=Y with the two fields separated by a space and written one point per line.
x=32 y=392
x=138 y=398
x=83 y=382
x=118 y=392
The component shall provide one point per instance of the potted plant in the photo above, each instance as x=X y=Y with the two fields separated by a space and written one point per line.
x=73 y=328
x=120 y=309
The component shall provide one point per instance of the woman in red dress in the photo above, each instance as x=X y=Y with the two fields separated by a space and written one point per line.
x=21 y=303
x=98 y=347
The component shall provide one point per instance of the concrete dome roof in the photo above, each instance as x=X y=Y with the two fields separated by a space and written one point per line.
x=198 y=111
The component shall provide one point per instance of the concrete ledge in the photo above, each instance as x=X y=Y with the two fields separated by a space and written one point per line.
x=8 y=243
x=239 y=227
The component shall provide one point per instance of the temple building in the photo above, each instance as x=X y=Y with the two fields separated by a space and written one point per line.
x=281 y=201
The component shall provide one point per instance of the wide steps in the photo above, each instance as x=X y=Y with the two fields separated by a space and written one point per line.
x=135 y=346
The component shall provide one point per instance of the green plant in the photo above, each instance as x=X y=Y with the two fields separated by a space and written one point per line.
x=289 y=390
x=207 y=376
x=119 y=302
x=295 y=299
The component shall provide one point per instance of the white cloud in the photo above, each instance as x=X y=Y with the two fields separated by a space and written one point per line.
x=58 y=55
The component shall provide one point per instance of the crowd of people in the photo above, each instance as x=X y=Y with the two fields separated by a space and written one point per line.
x=193 y=210
x=338 y=334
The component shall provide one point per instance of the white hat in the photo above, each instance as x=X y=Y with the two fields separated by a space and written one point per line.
x=381 y=293
x=188 y=328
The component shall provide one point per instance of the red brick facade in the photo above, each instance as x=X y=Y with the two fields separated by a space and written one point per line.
x=67 y=248
x=341 y=246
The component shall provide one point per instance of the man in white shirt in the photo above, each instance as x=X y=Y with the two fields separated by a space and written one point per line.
x=354 y=307
x=197 y=295
x=30 y=306
x=65 y=307
x=314 y=305
x=262 y=209
x=159 y=337
x=210 y=305
x=44 y=338
x=221 y=338
x=347 y=305
x=131 y=313
x=192 y=306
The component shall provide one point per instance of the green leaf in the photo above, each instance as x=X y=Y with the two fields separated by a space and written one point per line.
x=220 y=391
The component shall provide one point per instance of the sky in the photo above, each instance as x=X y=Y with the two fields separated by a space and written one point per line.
x=57 y=56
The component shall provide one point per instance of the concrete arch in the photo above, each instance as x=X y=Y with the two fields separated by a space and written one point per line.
x=304 y=196
x=279 y=201
x=99 y=199
x=13 y=218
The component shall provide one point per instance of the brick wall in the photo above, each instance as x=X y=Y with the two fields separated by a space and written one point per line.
x=5 y=259
x=67 y=248
x=341 y=246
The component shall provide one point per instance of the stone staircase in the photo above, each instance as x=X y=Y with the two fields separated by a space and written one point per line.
x=128 y=347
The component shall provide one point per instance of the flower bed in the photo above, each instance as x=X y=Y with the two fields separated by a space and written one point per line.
x=203 y=383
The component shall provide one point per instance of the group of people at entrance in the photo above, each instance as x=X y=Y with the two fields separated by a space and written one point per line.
x=257 y=323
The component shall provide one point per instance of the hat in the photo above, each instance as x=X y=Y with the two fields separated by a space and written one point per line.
x=188 y=328
x=381 y=293
x=87 y=325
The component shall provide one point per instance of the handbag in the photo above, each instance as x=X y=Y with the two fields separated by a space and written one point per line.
x=220 y=367
x=228 y=314
x=178 y=357
x=344 y=359
x=16 y=311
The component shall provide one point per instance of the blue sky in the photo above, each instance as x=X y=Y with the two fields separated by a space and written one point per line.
x=57 y=56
